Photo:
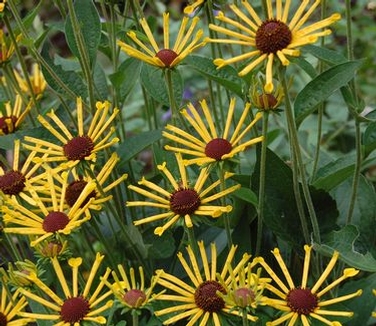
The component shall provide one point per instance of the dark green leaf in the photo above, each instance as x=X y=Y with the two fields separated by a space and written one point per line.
x=344 y=241
x=329 y=56
x=153 y=80
x=305 y=65
x=100 y=83
x=247 y=195
x=320 y=88
x=126 y=76
x=90 y=27
x=369 y=137
x=131 y=146
x=226 y=76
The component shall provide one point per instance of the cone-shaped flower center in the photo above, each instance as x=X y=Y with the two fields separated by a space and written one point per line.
x=272 y=36
x=167 y=56
x=78 y=148
x=217 y=147
x=244 y=297
x=3 y=319
x=206 y=296
x=55 y=221
x=12 y=182
x=74 y=310
x=5 y=122
x=74 y=191
x=267 y=101
x=184 y=201
x=135 y=298
x=302 y=301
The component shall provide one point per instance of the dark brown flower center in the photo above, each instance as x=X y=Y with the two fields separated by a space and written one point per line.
x=302 y=301
x=135 y=298
x=74 y=191
x=55 y=221
x=167 y=56
x=8 y=124
x=184 y=201
x=206 y=297
x=3 y=319
x=74 y=310
x=12 y=182
x=267 y=101
x=272 y=36
x=244 y=297
x=217 y=147
x=78 y=148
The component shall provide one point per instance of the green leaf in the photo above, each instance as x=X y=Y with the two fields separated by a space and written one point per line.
x=324 y=54
x=100 y=83
x=369 y=138
x=344 y=241
x=226 y=76
x=320 y=88
x=247 y=195
x=90 y=27
x=125 y=77
x=154 y=82
x=131 y=146
x=70 y=79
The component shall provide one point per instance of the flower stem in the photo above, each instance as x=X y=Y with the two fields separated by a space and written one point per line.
x=298 y=169
x=261 y=199
x=244 y=317
x=134 y=318
x=226 y=216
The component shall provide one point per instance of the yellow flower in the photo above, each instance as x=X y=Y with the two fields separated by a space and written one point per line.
x=37 y=81
x=73 y=305
x=198 y=300
x=276 y=37
x=72 y=183
x=209 y=147
x=304 y=302
x=51 y=218
x=13 y=117
x=10 y=309
x=131 y=293
x=13 y=180
x=183 y=201
x=84 y=146
x=266 y=101
x=165 y=57
x=7 y=47
x=17 y=272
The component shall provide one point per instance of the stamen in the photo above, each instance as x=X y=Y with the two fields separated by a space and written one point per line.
x=184 y=201
x=78 y=148
x=12 y=182
x=206 y=296
x=217 y=147
x=302 y=301
x=167 y=56
x=74 y=310
x=273 y=36
x=55 y=221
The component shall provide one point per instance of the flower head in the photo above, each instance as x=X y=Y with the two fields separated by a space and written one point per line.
x=304 y=302
x=76 y=303
x=210 y=146
x=164 y=57
x=13 y=180
x=11 y=119
x=266 y=101
x=10 y=309
x=46 y=218
x=184 y=201
x=279 y=36
x=198 y=300
x=82 y=146
x=37 y=81
x=6 y=46
x=131 y=293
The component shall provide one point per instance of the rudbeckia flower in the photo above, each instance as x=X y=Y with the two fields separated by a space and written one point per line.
x=37 y=81
x=6 y=46
x=304 y=302
x=278 y=36
x=13 y=180
x=13 y=117
x=211 y=146
x=74 y=304
x=75 y=147
x=132 y=293
x=198 y=300
x=165 y=56
x=10 y=308
x=183 y=202
x=46 y=218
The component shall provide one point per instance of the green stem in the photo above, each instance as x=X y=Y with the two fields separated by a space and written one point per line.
x=192 y=240
x=226 y=216
x=244 y=317
x=134 y=317
x=261 y=198
x=298 y=169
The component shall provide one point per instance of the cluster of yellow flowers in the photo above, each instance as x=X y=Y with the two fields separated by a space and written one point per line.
x=67 y=175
